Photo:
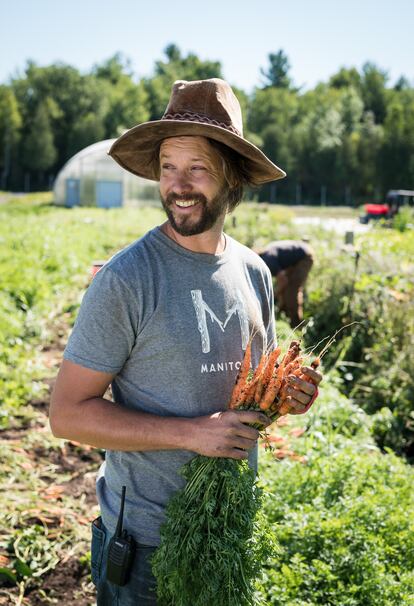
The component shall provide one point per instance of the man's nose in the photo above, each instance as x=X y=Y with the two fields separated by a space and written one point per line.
x=181 y=183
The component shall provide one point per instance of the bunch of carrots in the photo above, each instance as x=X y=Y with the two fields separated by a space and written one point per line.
x=215 y=539
x=266 y=388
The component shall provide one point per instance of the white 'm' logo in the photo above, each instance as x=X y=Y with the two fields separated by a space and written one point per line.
x=202 y=309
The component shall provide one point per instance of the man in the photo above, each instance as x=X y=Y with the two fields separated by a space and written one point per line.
x=290 y=262
x=166 y=322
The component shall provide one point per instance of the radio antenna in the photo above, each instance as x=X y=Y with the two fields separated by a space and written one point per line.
x=118 y=530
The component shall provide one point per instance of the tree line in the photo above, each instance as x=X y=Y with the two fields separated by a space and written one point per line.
x=345 y=140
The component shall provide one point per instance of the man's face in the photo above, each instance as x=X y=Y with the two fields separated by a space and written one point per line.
x=191 y=184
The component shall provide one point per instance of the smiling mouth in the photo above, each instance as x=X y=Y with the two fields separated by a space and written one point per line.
x=186 y=203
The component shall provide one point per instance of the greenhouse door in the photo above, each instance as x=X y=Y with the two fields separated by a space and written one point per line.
x=72 y=192
x=108 y=194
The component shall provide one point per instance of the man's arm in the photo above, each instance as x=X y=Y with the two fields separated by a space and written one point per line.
x=78 y=411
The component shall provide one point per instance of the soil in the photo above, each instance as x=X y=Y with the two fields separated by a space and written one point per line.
x=69 y=583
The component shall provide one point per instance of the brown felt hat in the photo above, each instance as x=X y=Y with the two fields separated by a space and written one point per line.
x=207 y=108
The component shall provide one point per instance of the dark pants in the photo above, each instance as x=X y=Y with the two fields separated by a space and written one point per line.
x=141 y=587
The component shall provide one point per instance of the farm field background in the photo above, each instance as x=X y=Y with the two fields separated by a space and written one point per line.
x=340 y=490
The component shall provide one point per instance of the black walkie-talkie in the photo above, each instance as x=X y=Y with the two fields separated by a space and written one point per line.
x=121 y=551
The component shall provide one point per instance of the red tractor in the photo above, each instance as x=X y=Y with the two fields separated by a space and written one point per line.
x=395 y=199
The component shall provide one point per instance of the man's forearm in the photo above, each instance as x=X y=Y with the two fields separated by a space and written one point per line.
x=103 y=424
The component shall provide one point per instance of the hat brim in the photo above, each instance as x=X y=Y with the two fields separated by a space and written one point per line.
x=134 y=150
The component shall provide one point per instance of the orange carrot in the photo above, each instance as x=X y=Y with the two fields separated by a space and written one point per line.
x=247 y=393
x=260 y=367
x=263 y=381
x=284 y=407
x=272 y=389
x=242 y=377
x=249 y=390
x=316 y=362
x=292 y=352
x=294 y=365
x=276 y=381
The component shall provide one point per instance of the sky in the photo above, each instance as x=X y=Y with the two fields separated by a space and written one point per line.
x=319 y=37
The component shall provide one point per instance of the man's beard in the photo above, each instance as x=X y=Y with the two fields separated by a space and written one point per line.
x=210 y=212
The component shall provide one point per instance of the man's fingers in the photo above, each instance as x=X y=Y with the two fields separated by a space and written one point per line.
x=235 y=453
x=251 y=417
x=302 y=385
x=245 y=431
x=243 y=443
x=300 y=397
x=299 y=407
x=314 y=375
x=296 y=407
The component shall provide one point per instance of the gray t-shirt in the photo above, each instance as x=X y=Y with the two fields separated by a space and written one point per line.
x=173 y=325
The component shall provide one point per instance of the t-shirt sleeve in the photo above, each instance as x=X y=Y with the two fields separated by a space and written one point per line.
x=106 y=326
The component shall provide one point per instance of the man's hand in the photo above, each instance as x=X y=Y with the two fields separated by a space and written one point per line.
x=303 y=390
x=228 y=434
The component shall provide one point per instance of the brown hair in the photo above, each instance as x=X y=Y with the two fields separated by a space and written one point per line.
x=236 y=172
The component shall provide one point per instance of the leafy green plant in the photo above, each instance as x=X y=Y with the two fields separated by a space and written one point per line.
x=372 y=298
x=344 y=524
x=404 y=219
x=215 y=539
x=45 y=265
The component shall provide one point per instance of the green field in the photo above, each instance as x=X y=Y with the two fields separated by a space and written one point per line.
x=339 y=482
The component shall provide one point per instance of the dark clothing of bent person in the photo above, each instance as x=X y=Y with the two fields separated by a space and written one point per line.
x=290 y=262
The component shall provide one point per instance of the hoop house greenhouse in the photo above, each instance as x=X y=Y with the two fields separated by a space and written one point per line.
x=92 y=178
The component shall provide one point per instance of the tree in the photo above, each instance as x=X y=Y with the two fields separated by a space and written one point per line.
x=126 y=103
x=39 y=151
x=345 y=78
x=271 y=106
x=10 y=123
x=272 y=113
x=173 y=53
x=114 y=70
x=351 y=108
x=176 y=67
x=398 y=147
x=69 y=97
x=88 y=129
x=402 y=84
x=277 y=73
x=373 y=91
x=317 y=139
x=369 y=143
